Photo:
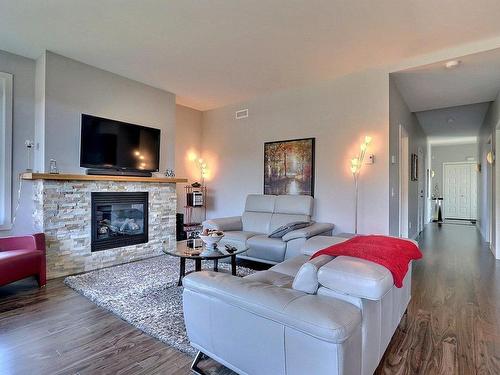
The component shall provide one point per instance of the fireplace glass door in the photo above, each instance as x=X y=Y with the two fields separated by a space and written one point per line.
x=119 y=219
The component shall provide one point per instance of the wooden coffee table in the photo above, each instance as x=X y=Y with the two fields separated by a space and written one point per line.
x=185 y=250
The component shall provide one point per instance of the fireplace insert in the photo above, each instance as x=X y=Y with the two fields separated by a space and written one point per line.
x=119 y=219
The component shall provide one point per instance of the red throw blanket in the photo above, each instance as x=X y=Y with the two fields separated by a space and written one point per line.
x=393 y=253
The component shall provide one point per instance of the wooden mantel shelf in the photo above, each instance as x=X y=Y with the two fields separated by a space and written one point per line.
x=85 y=177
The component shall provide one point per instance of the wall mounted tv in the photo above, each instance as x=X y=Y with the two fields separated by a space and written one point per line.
x=115 y=147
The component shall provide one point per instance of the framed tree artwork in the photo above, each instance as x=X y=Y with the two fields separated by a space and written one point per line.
x=289 y=167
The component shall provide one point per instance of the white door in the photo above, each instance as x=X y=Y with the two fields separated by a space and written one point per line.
x=459 y=180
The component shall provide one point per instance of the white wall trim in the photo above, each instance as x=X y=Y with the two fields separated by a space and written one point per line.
x=403 y=147
x=6 y=81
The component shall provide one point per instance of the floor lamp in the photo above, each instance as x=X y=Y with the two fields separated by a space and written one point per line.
x=356 y=164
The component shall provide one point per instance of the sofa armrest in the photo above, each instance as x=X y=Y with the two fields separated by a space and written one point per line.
x=32 y=242
x=224 y=223
x=310 y=231
x=323 y=317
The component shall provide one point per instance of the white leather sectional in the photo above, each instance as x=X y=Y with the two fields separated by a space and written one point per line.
x=263 y=214
x=325 y=316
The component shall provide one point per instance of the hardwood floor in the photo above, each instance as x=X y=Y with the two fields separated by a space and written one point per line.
x=453 y=322
x=452 y=325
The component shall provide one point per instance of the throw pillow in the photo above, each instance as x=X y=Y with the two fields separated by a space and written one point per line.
x=284 y=229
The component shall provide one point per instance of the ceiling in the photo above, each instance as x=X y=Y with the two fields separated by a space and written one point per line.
x=451 y=104
x=475 y=80
x=213 y=53
x=461 y=122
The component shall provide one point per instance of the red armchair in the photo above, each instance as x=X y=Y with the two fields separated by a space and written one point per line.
x=21 y=257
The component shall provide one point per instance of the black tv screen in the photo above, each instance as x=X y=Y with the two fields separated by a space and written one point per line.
x=118 y=145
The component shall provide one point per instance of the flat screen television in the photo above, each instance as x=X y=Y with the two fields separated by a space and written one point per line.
x=119 y=146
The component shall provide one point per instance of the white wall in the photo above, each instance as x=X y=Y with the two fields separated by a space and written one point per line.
x=188 y=131
x=400 y=114
x=447 y=154
x=73 y=88
x=339 y=114
x=23 y=70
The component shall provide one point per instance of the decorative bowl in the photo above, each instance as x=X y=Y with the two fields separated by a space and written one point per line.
x=211 y=241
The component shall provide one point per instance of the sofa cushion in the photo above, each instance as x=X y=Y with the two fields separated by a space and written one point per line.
x=224 y=223
x=271 y=277
x=356 y=277
x=20 y=255
x=284 y=229
x=19 y=262
x=263 y=247
x=306 y=279
x=290 y=266
x=237 y=236
x=260 y=203
x=317 y=243
x=294 y=204
x=256 y=221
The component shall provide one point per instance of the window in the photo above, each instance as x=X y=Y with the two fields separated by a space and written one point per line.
x=5 y=150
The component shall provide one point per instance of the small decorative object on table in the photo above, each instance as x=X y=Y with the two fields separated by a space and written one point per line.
x=29 y=146
x=170 y=173
x=53 y=167
x=211 y=237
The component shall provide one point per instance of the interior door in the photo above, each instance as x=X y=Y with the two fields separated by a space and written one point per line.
x=460 y=191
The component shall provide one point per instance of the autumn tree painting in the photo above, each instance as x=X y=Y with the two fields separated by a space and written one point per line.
x=289 y=167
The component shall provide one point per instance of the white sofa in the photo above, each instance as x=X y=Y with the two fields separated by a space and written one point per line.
x=263 y=214
x=325 y=316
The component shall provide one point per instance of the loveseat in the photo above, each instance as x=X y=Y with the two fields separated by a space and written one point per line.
x=322 y=316
x=264 y=214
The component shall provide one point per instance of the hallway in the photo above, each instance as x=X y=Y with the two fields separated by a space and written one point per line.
x=454 y=315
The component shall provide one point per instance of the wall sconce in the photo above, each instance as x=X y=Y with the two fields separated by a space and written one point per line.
x=490 y=157
x=202 y=166
x=356 y=165
x=433 y=174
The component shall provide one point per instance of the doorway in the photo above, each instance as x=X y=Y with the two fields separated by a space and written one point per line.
x=403 y=181
x=460 y=190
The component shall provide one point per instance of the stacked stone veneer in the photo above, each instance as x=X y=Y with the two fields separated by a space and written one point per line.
x=63 y=212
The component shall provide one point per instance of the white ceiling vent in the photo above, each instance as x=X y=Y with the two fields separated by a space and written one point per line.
x=242 y=113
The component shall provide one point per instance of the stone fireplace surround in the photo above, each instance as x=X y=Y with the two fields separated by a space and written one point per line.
x=63 y=212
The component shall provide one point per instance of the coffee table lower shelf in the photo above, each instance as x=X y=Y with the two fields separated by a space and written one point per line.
x=197 y=267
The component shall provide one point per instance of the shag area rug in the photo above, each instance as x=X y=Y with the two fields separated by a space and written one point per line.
x=145 y=294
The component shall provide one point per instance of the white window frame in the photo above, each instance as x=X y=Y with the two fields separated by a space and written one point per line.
x=6 y=81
